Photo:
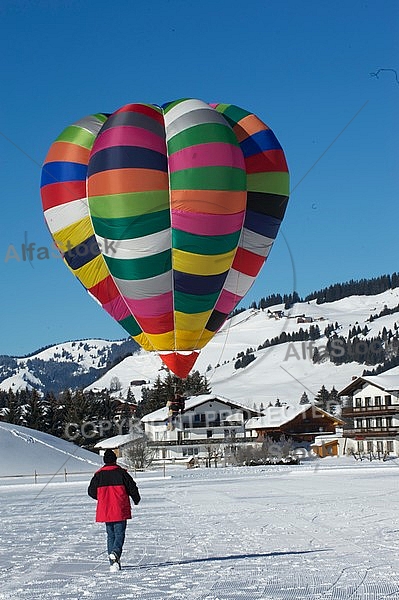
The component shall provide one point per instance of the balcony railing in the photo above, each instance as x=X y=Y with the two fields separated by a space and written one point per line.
x=211 y=425
x=352 y=411
x=370 y=431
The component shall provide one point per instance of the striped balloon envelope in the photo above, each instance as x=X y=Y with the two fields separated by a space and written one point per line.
x=166 y=216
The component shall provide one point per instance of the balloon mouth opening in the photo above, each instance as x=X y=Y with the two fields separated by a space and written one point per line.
x=180 y=363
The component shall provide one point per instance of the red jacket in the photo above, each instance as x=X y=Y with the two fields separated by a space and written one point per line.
x=112 y=486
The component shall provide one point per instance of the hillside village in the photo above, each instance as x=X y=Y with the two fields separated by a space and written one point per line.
x=313 y=373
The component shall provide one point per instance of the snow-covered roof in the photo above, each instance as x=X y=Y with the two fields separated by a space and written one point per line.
x=162 y=413
x=276 y=416
x=235 y=417
x=117 y=441
x=387 y=383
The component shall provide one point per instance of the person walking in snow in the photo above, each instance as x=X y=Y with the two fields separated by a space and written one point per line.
x=113 y=487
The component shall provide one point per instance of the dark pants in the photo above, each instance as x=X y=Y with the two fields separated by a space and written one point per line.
x=115 y=537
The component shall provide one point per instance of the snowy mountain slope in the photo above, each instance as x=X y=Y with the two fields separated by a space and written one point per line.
x=283 y=371
x=21 y=380
x=25 y=450
x=71 y=364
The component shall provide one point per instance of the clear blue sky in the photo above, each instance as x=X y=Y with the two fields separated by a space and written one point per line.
x=302 y=67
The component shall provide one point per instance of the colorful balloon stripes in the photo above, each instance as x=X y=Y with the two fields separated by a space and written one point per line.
x=166 y=216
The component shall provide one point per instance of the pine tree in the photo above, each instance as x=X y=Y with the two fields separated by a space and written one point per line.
x=12 y=411
x=316 y=356
x=322 y=398
x=304 y=399
x=53 y=415
x=34 y=412
x=334 y=402
x=80 y=417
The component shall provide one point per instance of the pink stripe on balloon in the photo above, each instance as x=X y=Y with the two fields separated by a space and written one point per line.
x=227 y=301
x=207 y=224
x=151 y=307
x=129 y=136
x=213 y=154
x=117 y=308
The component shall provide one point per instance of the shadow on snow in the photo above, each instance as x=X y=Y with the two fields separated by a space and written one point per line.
x=190 y=561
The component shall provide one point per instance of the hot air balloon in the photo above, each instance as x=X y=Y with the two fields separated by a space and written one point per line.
x=166 y=215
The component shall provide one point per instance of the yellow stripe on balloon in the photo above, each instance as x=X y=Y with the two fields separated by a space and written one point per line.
x=92 y=272
x=191 y=322
x=206 y=336
x=143 y=341
x=161 y=341
x=73 y=235
x=200 y=264
x=191 y=340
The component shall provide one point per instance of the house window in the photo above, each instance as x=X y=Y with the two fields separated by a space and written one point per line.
x=360 y=446
x=380 y=446
x=358 y=402
x=377 y=401
x=388 y=400
x=388 y=421
x=189 y=451
x=369 y=446
x=389 y=446
x=368 y=400
x=186 y=434
x=378 y=422
x=209 y=433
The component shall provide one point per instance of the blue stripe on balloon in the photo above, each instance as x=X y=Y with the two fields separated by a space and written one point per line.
x=259 y=142
x=262 y=224
x=80 y=255
x=198 y=284
x=127 y=157
x=216 y=320
x=59 y=172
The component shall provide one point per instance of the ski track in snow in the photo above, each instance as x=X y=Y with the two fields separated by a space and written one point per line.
x=211 y=534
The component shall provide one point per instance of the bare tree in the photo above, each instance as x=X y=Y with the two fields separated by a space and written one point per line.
x=139 y=455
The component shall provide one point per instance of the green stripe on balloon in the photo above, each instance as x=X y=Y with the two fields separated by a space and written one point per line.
x=128 y=204
x=140 y=268
x=131 y=326
x=209 y=178
x=129 y=228
x=192 y=304
x=201 y=134
x=78 y=136
x=273 y=182
x=233 y=114
x=208 y=244
x=101 y=117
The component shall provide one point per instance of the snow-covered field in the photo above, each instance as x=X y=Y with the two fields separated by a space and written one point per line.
x=324 y=530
